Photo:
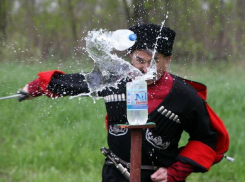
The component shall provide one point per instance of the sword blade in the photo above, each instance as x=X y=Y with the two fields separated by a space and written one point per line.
x=11 y=96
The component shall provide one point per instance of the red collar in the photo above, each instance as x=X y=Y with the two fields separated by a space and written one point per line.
x=159 y=90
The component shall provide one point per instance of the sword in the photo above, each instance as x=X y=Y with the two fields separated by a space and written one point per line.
x=11 y=96
x=22 y=96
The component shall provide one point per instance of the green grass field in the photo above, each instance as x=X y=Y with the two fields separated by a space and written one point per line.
x=45 y=140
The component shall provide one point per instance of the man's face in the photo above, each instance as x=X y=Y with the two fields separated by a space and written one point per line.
x=141 y=59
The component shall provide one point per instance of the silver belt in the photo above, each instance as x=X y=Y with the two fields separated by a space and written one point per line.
x=127 y=164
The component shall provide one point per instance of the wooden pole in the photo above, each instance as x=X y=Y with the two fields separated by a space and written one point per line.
x=135 y=155
x=136 y=148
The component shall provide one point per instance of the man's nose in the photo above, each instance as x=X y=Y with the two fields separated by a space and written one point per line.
x=146 y=65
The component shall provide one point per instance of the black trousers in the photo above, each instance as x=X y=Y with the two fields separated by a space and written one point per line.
x=111 y=174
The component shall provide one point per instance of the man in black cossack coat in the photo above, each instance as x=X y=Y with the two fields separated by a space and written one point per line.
x=174 y=104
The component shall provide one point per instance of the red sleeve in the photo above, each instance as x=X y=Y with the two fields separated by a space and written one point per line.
x=34 y=88
x=39 y=86
x=223 y=136
x=198 y=153
x=179 y=171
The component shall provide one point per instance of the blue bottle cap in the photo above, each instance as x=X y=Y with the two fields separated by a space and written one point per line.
x=132 y=37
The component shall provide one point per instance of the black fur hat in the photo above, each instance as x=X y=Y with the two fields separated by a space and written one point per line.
x=147 y=35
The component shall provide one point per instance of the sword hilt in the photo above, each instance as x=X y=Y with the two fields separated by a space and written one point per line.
x=106 y=152
x=23 y=95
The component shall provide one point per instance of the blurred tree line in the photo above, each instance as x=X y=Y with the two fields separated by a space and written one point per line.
x=42 y=29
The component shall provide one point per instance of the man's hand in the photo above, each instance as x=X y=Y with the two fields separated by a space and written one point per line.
x=30 y=90
x=160 y=175
x=24 y=94
x=178 y=171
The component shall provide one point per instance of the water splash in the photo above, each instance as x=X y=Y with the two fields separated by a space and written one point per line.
x=108 y=69
x=151 y=70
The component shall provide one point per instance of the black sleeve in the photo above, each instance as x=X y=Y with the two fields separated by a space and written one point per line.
x=199 y=125
x=68 y=84
x=200 y=149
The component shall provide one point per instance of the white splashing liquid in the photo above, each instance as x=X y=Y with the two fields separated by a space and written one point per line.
x=151 y=70
x=109 y=69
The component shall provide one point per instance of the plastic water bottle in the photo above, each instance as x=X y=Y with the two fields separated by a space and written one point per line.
x=123 y=39
x=137 y=102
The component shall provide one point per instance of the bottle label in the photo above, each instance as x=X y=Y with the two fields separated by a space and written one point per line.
x=136 y=99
